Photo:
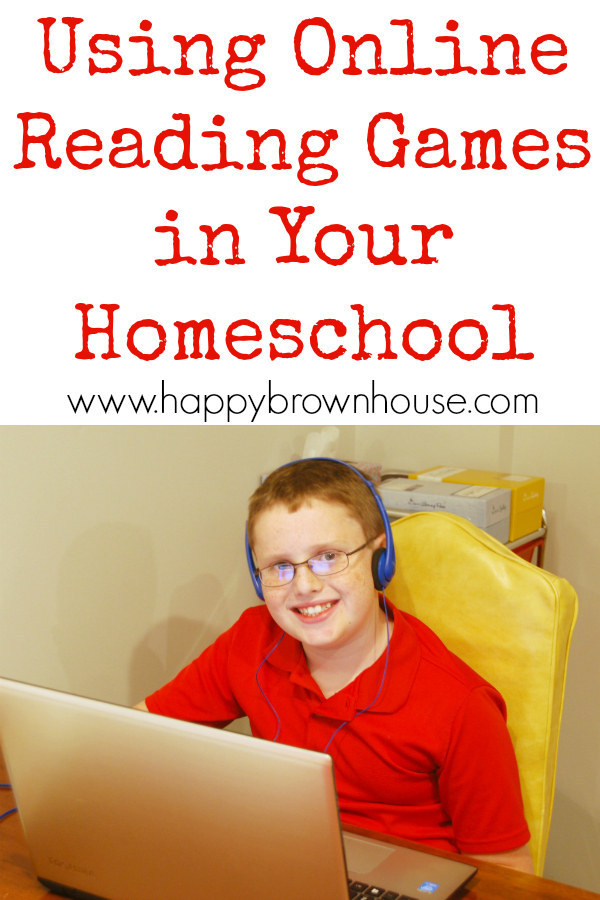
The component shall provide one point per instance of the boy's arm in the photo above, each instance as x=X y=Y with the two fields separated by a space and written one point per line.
x=515 y=859
x=202 y=691
x=480 y=786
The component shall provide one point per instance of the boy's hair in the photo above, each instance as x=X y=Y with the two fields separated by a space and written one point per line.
x=317 y=479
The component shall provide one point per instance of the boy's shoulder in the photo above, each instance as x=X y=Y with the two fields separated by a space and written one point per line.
x=256 y=624
x=440 y=662
x=252 y=638
x=254 y=615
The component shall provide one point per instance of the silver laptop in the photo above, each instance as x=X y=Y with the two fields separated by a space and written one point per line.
x=121 y=805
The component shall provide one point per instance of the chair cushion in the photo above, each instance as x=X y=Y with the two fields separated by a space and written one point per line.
x=510 y=621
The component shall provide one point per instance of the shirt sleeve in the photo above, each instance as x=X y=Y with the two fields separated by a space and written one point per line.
x=479 y=780
x=202 y=691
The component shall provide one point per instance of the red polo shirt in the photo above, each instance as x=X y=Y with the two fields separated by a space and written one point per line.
x=431 y=761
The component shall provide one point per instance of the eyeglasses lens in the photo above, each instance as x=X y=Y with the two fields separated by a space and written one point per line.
x=277 y=575
x=328 y=563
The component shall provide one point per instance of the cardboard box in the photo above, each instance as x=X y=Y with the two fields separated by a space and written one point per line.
x=486 y=507
x=527 y=493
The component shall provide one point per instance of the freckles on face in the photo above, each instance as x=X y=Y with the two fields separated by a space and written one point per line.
x=325 y=612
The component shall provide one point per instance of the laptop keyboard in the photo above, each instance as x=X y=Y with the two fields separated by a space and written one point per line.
x=358 y=889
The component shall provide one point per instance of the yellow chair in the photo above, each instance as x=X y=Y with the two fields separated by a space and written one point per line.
x=510 y=621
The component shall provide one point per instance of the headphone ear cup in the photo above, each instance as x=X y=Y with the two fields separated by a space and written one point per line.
x=375 y=568
x=255 y=579
x=257 y=586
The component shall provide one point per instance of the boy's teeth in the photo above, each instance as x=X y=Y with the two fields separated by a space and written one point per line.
x=315 y=610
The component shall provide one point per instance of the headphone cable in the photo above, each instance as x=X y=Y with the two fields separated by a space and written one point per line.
x=361 y=711
x=8 y=812
x=260 y=687
x=376 y=697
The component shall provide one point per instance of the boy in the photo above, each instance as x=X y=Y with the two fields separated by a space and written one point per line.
x=418 y=740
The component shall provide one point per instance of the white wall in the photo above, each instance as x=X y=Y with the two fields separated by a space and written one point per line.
x=122 y=548
x=121 y=555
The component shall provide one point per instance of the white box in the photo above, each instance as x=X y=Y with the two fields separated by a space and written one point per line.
x=486 y=507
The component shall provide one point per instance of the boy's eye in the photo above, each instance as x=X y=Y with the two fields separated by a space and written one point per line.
x=279 y=573
x=326 y=563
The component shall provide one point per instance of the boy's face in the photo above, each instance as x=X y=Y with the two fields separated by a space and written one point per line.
x=350 y=602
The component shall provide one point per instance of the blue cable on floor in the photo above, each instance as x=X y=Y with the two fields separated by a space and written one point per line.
x=10 y=811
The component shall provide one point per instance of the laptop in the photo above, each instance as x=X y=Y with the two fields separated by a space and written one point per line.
x=121 y=804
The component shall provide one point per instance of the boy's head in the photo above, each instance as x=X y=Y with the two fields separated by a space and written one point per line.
x=317 y=479
x=321 y=517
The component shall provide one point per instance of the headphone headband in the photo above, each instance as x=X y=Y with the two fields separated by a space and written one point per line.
x=384 y=559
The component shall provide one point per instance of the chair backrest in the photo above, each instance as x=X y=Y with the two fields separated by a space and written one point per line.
x=510 y=621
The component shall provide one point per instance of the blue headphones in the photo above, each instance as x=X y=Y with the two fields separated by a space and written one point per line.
x=383 y=564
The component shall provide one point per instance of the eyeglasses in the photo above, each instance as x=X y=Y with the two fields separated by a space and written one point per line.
x=330 y=562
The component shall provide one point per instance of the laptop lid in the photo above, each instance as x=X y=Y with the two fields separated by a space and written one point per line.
x=122 y=804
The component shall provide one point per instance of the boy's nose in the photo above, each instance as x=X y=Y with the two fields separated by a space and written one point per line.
x=305 y=580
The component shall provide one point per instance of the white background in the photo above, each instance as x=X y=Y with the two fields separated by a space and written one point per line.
x=521 y=237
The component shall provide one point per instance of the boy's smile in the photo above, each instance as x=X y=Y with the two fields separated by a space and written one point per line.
x=340 y=610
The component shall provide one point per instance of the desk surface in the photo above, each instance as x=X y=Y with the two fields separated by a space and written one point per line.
x=18 y=881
